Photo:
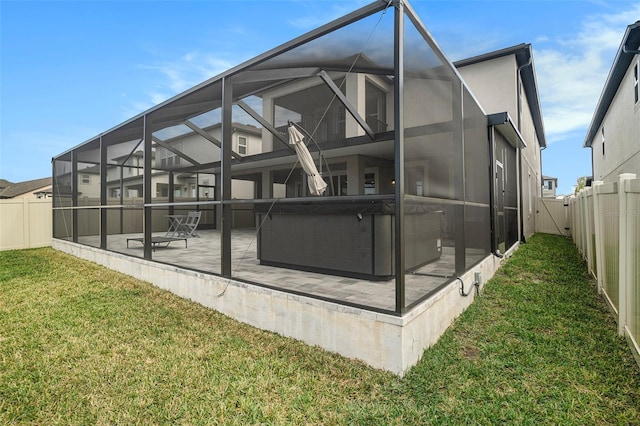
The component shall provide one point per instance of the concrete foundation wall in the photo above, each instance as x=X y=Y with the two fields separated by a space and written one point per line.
x=383 y=341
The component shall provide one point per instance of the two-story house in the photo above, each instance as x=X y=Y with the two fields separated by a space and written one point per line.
x=505 y=80
x=614 y=132
x=429 y=185
x=549 y=186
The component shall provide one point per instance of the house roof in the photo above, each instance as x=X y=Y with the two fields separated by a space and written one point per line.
x=4 y=184
x=549 y=178
x=11 y=190
x=245 y=128
x=624 y=56
x=524 y=58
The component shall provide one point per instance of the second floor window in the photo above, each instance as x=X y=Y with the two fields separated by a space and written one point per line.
x=242 y=145
x=636 y=77
x=168 y=158
x=376 y=108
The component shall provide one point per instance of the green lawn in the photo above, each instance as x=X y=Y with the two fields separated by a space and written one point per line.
x=80 y=344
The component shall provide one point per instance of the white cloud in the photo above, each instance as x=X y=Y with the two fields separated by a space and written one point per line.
x=193 y=67
x=572 y=74
x=157 y=97
x=325 y=15
x=190 y=68
x=181 y=74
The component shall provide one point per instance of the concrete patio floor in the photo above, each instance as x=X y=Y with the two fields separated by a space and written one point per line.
x=203 y=254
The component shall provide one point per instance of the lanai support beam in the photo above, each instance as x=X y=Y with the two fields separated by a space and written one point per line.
x=398 y=88
x=103 y=194
x=227 y=129
x=343 y=99
x=74 y=195
x=210 y=138
x=146 y=188
x=131 y=153
x=253 y=113
x=179 y=153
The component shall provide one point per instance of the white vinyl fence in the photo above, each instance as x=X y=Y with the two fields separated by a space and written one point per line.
x=552 y=216
x=25 y=223
x=606 y=229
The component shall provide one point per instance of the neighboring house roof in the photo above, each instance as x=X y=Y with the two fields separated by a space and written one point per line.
x=630 y=42
x=4 y=184
x=246 y=128
x=524 y=57
x=11 y=190
x=549 y=178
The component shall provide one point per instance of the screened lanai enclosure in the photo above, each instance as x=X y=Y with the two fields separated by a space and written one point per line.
x=406 y=155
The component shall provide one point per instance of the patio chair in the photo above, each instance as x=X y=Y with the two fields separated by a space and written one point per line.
x=187 y=228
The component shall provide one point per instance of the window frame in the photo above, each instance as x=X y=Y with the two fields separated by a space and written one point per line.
x=636 y=79
x=243 y=146
x=169 y=159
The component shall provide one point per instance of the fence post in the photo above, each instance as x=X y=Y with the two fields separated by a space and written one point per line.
x=574 y=221
x=598 y=233
x=579 y=219
x=25 y=223
x=568 y=225
x=624 y=258
x=632 y=328
x=587 y=223
x=583 y=222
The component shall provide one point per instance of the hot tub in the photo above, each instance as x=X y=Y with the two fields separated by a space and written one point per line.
x=346 y=238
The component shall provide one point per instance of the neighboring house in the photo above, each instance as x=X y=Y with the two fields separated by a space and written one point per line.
x=505 y=80
x=37 y=188
x=176 y=152
x=549 y=185
x=429 y=183
x=614 y=132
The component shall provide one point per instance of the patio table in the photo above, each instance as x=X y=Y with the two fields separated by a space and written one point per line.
x=175 y=220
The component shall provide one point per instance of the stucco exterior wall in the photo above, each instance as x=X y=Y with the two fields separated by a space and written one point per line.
x=621 y=132
x=495 y=84
x=531 y=169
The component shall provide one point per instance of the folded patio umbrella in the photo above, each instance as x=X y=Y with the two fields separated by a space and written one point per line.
x=317 y=185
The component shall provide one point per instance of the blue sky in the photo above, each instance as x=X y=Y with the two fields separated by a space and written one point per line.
x=72 y=69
